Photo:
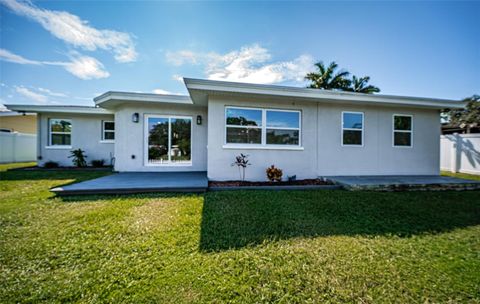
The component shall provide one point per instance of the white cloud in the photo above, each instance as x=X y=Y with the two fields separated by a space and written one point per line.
x=51 y=93
x=77 y=32
x=10 y=57
x=84 y=67
x=36 y=97
x=249 y=64
x=164 y=92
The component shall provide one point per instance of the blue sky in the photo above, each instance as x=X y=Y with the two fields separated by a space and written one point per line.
x=67 y=52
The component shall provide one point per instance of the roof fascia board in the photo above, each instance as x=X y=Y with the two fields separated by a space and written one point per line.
x=58 y=109
x=117 y=97
x=209 y=86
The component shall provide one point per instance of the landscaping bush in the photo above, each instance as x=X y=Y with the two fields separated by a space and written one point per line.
x=98 y=163
x=78 y=157
x=50 y=164
x=274 y=174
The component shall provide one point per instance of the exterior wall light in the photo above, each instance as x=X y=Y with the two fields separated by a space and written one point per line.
x=199 y=119
x=135 y=117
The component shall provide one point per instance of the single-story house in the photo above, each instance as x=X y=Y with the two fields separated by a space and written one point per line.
x=305 y=132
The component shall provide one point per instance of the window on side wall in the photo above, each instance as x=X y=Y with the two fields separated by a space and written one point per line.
x=60 y=132
x=108 y=130
x=352 y=128
x=265 y=127
x=402 y=130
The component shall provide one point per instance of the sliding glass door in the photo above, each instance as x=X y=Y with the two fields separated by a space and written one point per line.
x=169 y=140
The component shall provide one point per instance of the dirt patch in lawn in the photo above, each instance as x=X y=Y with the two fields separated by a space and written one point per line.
x=302 y=182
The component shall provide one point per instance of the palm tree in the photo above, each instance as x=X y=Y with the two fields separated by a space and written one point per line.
x=327 y=78
x=359 y=85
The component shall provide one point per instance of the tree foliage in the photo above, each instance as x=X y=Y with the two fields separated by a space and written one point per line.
x=328 y=78
x=470 y=115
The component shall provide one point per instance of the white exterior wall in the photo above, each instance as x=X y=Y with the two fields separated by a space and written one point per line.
x=86 y=135
x=460 y=153
x=130 y=139
x=323 y=153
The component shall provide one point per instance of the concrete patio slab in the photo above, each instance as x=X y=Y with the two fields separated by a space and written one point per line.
x=139 y=182
x=403 y=182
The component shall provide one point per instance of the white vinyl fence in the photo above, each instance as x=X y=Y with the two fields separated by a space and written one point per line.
x=460 y=153
x=17 y=147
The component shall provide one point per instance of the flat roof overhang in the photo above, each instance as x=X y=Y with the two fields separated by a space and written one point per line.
x=57 y=109
x=200 y=90
x=112 y=99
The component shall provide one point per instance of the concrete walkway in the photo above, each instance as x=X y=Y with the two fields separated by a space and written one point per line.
x=139 y=182
x=403 y=182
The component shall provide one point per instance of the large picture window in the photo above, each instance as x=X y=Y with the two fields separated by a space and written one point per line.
x=262 y=126
x=60 y=132
x=168 y=140
x=402 y=130
x=352 y=128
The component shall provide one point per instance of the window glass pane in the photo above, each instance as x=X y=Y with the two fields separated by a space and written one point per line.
x=402 y=139
x=243 y=117
x=109 y=136
x=282 y=137
x=109 y=126
x=352 y=137
x=244 y=135
x=181 y=141
x=280 y=119
x=157 y=140
x=403 y=123
x=60 y=140
x=352 y=121
x=60 y=125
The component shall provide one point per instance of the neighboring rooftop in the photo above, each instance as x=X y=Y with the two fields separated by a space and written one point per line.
x=200 y=89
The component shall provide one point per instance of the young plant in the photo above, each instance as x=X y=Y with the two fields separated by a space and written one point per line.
x=98 y=163
x=274 y=174
x=78 y=158
x=241 y=161
x=50 y=164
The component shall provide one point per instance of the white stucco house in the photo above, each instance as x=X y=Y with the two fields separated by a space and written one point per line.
x=305 y=132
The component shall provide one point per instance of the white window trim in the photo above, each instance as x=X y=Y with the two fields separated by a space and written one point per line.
x=353 y=129
x=50 y=133
x=103 y=140
x=402 y=131
x=263 y=145
x=145 y=141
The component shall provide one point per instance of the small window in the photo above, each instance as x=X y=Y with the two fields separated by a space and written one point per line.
x=108 y=130
x=60 y=132
x=402 y=130
x=244 y=126
x=352 y=128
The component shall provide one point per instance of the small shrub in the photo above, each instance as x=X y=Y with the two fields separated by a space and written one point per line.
x=98 y=163
x=274 y=174
x=50 y=164
x=78 y=158
x=241 y=161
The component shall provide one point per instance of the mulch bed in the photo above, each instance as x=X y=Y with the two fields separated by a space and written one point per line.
x=301 y=182
x=36 y=168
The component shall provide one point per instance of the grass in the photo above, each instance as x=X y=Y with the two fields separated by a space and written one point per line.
x=243 y=247
x=462 y=175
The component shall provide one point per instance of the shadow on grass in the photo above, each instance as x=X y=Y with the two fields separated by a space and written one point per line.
x=106 y=197
x=243 y=218
x=77 y=175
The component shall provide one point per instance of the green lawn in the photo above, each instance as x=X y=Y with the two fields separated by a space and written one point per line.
x=298 y=246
